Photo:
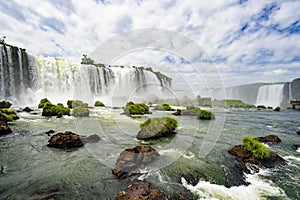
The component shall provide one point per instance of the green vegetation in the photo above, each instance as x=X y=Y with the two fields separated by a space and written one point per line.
x=5 y=104
x=43 y=102
x=157 y=127
x=261 y=107
x=86 y=60
x=136 y=109
x=277 y=109
x=257 y=148
x=270 y=107
x=99 y=103
x=164 y=107
x=10 y=115
x=80 y=109
x=191 y=111
x=50 y=109
x=205 y=114
x=237 y=104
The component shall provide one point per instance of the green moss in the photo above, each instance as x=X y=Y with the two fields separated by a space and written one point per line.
x=80 y=112
x=157 y=127
x=136 y=109
x=10 y=115
x=5 y=104
x=261 y=107
x=43 y=102
x=99 y=103
x=277 y=109
x=50 y=109
x=257 y=148
x=205 y=114
x=164 y=107
x=78 y=103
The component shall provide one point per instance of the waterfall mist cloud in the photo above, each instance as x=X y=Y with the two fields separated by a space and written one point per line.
x=247 y=40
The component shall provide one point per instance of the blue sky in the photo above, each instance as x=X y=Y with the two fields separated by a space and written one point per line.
x=249 y=41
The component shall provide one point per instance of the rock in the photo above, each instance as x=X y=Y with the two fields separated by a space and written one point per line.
x=247 y=157
x=177 y=113
x=296 y=146
x=269 y=138
x=298 y=132
x=27 y=109
x=65 y=140
x=140 y=190
x=4 y=128
x=193 y=178
x=50 y=132
x=132 y=159
x=91 y=138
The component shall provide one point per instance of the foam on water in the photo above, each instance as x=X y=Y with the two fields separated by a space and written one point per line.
x=257 y=189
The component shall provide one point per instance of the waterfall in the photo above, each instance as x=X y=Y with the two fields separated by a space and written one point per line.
x=270 y=95
x=290 y=91
x=25 y=79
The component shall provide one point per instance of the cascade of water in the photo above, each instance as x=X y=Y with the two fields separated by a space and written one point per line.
x=270 y=95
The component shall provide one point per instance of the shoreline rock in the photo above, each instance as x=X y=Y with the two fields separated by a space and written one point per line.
x=131 y=160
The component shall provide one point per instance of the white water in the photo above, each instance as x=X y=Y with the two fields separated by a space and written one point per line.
x=257 y=189
x=270 y=95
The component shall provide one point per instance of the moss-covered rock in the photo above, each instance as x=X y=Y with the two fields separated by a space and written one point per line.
x=164 y=107
x=4 y=128
x=99 y=103
x=277 y=109
x=191 y=111
x=261 y=107
x=156 y=128
x=5 y=104
x=258 y=150
x=205 y=114
x=50 y=109
x=270 y=107
x=136 y=109
x=80 y=112
x=10 y=115
x=43 y=102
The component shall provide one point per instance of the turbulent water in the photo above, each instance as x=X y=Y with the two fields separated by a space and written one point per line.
x=28 y=166
x=26 y=78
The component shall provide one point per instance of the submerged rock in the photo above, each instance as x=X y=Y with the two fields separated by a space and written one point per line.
x=269 y=138
x=47 y=193
x=140 y=190
x=132 y=159
x=298 y=132
x=194 y=177
x=91 y=138
x=67 y=139
x=50 y=132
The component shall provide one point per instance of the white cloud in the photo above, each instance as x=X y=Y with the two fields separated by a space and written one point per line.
x=70 y=28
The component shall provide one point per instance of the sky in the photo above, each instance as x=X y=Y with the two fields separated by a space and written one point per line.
x=246 y=40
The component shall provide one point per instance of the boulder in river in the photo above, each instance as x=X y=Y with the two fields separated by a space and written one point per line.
x=194 y=177
x=177 y=112
x=90 y=139
x=4 y=128
x=67 y=139
x=140 y=190
x=132 y=159
x=27 y=109
x=298 y=132
x=269 y=138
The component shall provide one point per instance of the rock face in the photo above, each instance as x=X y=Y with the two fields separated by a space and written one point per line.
x=132 y=159
x=269 y=138
x=140 y=190
x=65 y=140
x=247 y=157
x=4 y=128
